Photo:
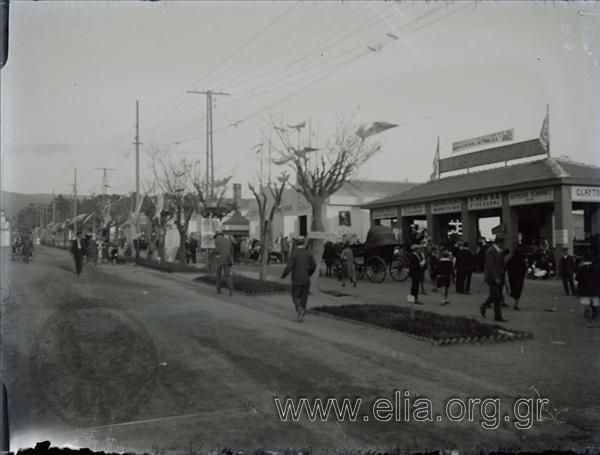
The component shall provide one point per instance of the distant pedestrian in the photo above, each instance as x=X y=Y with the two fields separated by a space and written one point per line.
x=329 y=256
x=348 y=270
x=92 y=250
x=77 y=252
x=434 y=260
x=194 y=249
x=494 y=277
x=415 y=273
x=464 y=268
x=444 y=275
x=566 y=269
x=423 y=261
x=588 y=288
x=516 y=268
x=223 y=261
x=285 y=249
x=114 y=253
x=301 y=265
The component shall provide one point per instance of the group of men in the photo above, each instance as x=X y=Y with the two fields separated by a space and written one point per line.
x=301 y=265
x=425 y=256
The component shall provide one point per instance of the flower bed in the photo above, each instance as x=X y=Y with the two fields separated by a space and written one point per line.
x=169 y=267
x=249 y=286
x=433 y=327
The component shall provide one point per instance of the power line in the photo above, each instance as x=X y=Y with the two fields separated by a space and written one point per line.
x=309 y=55
x=333 y=69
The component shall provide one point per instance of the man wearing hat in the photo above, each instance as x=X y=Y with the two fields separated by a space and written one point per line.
x=494 y=277
x=224 y=260
x=415 y=272
x=301 y=265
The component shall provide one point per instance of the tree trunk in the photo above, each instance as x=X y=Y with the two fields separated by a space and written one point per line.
x=182 y=250
x=317 y=244
x=264 y=249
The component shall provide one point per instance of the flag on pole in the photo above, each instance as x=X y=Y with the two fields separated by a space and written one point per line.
x=375 y=128
x=545 y=132
x=436 y=162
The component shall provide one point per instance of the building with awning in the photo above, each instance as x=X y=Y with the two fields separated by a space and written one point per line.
x=236 y=225
x=535 y=200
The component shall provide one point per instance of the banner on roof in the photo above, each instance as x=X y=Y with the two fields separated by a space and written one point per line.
x=500 y=136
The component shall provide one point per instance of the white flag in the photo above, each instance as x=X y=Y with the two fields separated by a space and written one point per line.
x=545 y=133
x=436 y=162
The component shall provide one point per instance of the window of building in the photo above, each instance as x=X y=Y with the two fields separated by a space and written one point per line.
x=344 y=218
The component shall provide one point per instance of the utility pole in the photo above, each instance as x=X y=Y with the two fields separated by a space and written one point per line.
x=75 y=201
x=53 y=207
x=105 y=171
x=137 y=144
x=210 y=164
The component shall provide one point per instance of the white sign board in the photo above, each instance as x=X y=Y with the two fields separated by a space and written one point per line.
x=208 y=228
x=561 y=236
x=585 y=193
x=500 y=136
x=413 y=210
x=452 y=206
x=384 y=213
x=485 y=201
x=537 y=196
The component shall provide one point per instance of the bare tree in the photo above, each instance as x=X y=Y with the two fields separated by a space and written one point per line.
x=320 y=172
x=176 y=182
x=268 y=198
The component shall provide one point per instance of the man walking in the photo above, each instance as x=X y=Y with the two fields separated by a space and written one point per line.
x=224 y=260
x=494 y=277
x=77 y=250
x=414 y=272
x=301 y=265
x=566 y=268
x=194 y=249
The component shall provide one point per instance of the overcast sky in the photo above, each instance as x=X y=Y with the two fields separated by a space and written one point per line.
x=459 y=70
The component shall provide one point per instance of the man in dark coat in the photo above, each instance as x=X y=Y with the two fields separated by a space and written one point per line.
x=464 y=268
x=77 y=250
x=194 y=249
x=301 y=265
x=566 y=268
x=414 y=272
x=494 y=277
x=224 y=261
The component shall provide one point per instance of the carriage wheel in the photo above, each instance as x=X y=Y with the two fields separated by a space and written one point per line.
x=376 y=269
x=399 y=269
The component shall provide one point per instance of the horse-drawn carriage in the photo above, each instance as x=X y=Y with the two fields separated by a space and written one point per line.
x=381 y=253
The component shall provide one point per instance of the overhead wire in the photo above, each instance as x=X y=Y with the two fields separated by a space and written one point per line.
x=333 y=69
x=193 y=123
x=312 y=54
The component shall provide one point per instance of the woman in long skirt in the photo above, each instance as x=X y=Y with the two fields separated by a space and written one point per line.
x=348 y=271
x=516 y=268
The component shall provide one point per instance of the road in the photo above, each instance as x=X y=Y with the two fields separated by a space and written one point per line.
x=126 y=358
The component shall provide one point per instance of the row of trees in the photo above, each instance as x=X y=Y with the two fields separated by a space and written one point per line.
x=319 y=172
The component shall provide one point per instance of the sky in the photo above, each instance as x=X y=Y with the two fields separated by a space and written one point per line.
x=456 y=70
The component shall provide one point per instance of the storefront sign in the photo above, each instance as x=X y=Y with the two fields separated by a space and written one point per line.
x=500 y=136
x=385 y=213
x=452 y=206
x=413 y=210
x=486 y=201
x=585 y=193
x=536 y=196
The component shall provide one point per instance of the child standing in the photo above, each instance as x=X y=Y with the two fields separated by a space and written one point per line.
x=444 y=275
